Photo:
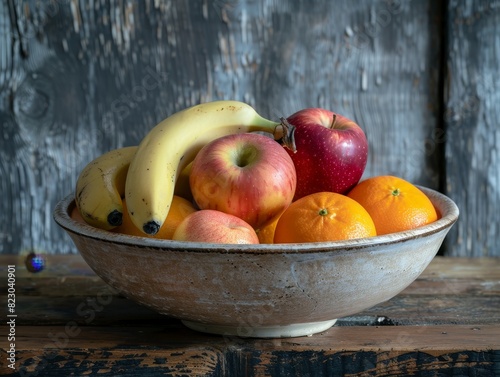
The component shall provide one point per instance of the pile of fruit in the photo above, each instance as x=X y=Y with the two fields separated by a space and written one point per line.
x=219 y=172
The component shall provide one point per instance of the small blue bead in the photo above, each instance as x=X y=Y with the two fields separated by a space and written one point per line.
x=35 y=262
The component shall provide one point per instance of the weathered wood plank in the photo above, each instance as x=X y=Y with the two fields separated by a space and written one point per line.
x=472 y=133
x=68 y=350
x=340 y=351
x=438 y=325
x=402 y=310
x=463 y=268
x=337 y=338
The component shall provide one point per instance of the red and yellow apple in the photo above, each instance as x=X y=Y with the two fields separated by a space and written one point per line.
x=247 y=175
x=331 y=154
x=215 y=227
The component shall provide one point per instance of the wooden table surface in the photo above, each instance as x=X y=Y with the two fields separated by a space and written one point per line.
x=70 y=323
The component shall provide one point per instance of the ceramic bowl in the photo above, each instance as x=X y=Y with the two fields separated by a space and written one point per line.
x=281 y=290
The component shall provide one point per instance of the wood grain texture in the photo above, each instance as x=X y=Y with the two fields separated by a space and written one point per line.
x=78 y=79
x=472 y=125
x=341 y=351
x=70 y=323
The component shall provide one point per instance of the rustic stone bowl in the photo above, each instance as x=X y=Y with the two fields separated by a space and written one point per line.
x=282 y=290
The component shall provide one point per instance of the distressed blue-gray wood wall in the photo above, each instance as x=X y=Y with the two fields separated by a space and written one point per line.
x=78 y=78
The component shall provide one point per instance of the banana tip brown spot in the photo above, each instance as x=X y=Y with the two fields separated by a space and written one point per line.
x=115 y=218
x=151 y=227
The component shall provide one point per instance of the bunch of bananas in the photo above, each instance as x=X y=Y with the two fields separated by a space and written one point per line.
x=146 y=175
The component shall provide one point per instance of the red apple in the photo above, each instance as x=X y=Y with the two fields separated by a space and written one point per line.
x=215 y=227
x=331 y=154
x=247 y=175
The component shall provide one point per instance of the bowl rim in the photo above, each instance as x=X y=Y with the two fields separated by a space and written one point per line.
x=444 y=205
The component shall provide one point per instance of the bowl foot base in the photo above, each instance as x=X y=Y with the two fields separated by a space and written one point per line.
x=286 y=331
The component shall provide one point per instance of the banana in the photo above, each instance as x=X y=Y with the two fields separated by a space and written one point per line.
x=101 y=186
x=172 y=144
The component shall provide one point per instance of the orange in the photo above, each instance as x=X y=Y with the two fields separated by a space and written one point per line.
x=179 y=209
x=323 y=216
x=393 y=203
x=266 y=233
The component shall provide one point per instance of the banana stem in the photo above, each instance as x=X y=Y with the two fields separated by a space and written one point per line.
x=288 y=137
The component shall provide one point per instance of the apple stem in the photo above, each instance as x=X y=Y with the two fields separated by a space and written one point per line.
x=334 y=120
x=288 y=135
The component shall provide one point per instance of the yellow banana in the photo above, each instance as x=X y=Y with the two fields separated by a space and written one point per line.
x=100 y=188
x=172 y=144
